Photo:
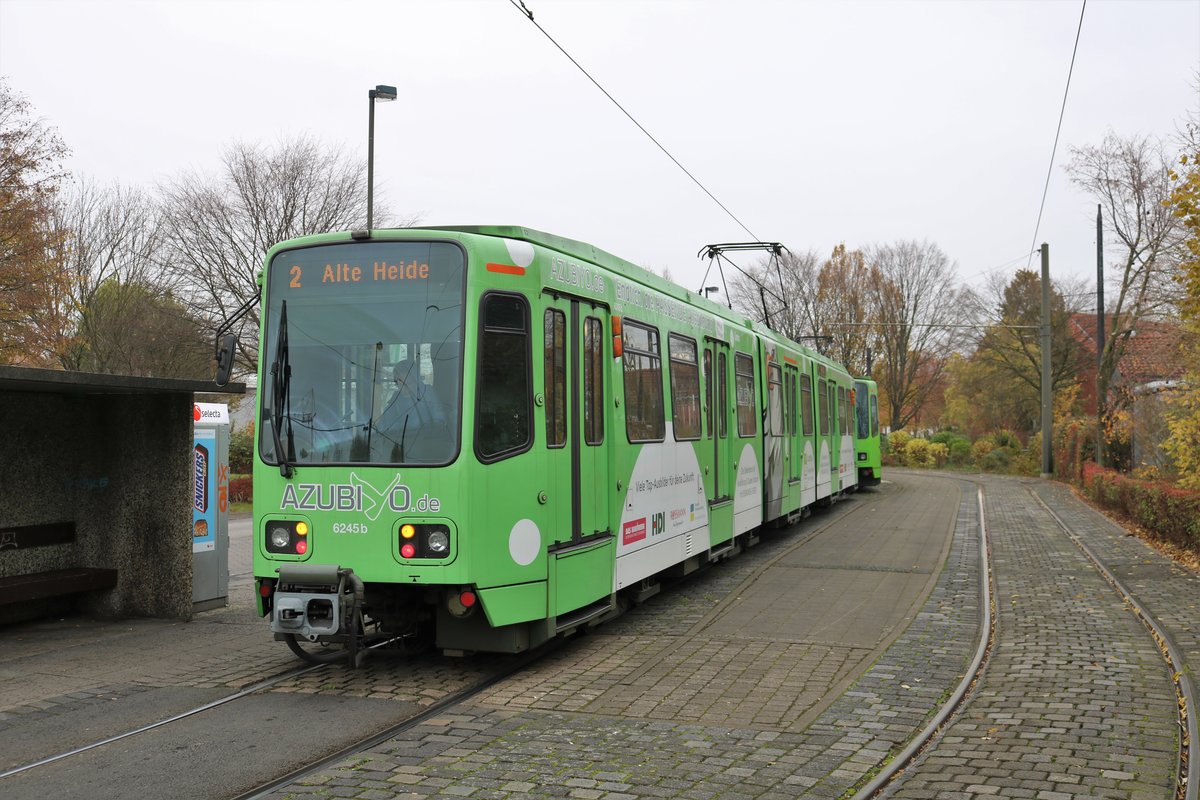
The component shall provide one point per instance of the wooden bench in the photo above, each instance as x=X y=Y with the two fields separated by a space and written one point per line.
x=55 y=583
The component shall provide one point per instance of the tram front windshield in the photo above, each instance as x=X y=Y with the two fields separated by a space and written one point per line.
x=363 y=354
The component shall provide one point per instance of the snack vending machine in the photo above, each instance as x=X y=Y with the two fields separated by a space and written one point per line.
x=210 y=505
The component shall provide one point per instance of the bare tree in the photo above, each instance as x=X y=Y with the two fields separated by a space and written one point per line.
x=110 y=237
x=759 y=284
x=222 y=226
x=1129 y=177
x=918 y=306
x=828 y=302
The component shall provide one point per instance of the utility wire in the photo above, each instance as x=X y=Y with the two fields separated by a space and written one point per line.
x=520 y=6
x=1062 y=112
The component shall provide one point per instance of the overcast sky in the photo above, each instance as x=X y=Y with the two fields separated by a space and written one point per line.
x=813 y=122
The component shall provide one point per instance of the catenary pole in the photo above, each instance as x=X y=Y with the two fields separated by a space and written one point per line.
x=1047 y=408
x=1100 y=404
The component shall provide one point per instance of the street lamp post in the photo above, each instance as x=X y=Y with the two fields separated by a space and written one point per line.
x=381 y=93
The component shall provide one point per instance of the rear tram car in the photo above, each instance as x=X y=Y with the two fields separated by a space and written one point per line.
x=866 y=439
x=491 y=436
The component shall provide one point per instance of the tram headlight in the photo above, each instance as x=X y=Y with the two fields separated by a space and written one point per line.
x=438 y=542
x=280 y=538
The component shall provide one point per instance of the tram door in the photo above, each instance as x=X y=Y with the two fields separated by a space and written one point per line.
x=774 y=454
x=795 y=444
x=719 y=482
x=576 y=397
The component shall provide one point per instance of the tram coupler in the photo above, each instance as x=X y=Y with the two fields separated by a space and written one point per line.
x=316 y=601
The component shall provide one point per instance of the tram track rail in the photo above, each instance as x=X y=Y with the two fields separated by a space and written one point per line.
x=260 y=687
x=1188 y=775
x=1187 y=778
x=467 y=693
x=894 y=769
x=191 y=712
x=449 y=701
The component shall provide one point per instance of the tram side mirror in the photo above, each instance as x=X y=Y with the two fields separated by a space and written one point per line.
x=225 y=351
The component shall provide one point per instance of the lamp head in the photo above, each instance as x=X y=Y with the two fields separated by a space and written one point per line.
x=383 y=93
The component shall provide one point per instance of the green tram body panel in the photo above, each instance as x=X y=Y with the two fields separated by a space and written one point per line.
x=866 y=439
x=557 y=425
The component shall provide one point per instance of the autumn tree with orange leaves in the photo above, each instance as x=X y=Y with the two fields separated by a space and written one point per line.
x=31 y=290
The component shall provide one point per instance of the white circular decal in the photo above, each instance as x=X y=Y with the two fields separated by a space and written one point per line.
x=524 y=542
x=520 y=252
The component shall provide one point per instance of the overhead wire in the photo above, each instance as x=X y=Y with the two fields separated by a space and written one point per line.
x=521 y=7
x=1058 y=131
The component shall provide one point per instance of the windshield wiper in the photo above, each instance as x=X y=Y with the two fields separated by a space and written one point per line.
x=281 y=395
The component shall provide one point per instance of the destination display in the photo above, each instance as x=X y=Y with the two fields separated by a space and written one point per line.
x=378 y=272
x=366 y=268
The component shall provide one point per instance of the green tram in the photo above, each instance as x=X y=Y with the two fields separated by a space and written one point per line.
x=866 y=439
x=484 y=437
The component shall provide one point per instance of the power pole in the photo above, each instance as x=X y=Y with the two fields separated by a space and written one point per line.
x=1101 y=404
x=1047 y=406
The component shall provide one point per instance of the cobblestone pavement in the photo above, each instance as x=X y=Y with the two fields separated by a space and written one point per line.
x=758 y=678
x=668 y=702
x=1169 y=591
x=1076 y=699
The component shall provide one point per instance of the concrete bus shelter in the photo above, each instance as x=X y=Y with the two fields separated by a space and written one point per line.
x=95 y=477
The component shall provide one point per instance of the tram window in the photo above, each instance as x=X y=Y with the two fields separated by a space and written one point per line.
x=833 y=410
x=848 y=404
x=743 y=367
x=823 y=407
x=863 y=427
x=502 y=417
x=874 y=415
x=806 y=409
x=722 y=397
x=685 y=387
x=774 y=399
x=793 y=401
x=644 y=413
x=593 y=381
x=842 y=411
x=708 y=392
x=556 y=377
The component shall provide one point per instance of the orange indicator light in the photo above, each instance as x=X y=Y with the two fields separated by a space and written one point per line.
x=302 y=528
x=408 y=531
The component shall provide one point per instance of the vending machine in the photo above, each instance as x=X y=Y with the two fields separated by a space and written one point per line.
x=210 y=505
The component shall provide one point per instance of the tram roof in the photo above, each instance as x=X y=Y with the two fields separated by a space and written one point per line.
x=615 y=263
x=602 y=258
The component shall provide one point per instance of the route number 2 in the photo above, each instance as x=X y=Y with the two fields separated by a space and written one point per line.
x=296 y=273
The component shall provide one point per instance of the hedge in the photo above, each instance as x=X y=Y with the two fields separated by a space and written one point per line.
x=241 y=489
x=1169 y=514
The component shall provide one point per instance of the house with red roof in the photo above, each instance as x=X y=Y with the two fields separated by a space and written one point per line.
x=1152 y=364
